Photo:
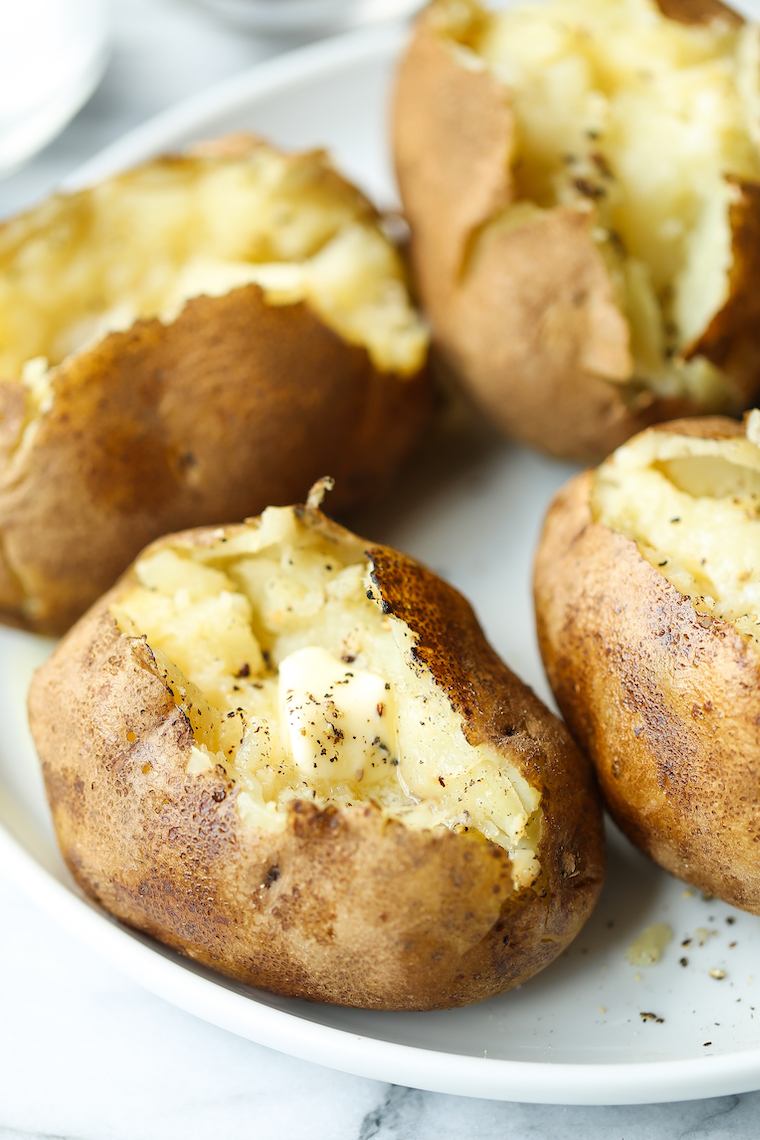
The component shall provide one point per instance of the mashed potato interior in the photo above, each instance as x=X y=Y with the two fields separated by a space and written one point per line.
x=693 y=507
x=646 y=122
x=296 y=682
x=142 y=244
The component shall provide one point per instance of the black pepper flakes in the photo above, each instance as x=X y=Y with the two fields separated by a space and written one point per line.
x=589 y=189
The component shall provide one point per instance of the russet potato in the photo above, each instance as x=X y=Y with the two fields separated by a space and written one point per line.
x=582 y=183
x=648 y=608
x=293 y=756
x=186 y=343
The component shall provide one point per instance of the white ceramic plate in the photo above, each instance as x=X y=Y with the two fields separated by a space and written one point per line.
x=575 y=1034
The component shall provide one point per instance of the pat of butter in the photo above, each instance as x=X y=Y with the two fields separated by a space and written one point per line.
x=337 y=718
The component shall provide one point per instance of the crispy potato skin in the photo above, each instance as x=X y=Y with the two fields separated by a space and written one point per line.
x=234 y=405
x=537 y=337
x=662 y=698
x=344 y=906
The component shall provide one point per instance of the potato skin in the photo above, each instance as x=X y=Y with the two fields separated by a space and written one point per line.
x=527 y=316
x=699 y=11
x=732 y=339
x=343 y=906
x=663 y=699
x=234 y=405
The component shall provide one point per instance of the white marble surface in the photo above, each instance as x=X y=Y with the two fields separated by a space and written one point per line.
x=84 y=1053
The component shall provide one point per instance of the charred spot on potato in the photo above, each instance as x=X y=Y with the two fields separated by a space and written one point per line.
x=271 y=876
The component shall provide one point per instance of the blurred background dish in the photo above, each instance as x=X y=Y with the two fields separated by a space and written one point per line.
x=308 y=18
x=52 y=56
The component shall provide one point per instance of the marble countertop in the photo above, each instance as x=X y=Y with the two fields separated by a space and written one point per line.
x=85 y=1054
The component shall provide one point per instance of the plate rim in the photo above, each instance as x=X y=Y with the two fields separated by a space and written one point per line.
x=264 y=78
x=541 y=1081
x=164 y=974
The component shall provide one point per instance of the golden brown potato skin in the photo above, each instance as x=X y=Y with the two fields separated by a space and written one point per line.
x=344 y=906
x=537 y=336
x=234 y=405
x=664 y=700
x=699 y=11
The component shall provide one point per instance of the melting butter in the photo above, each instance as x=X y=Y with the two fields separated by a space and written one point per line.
x=337 y=718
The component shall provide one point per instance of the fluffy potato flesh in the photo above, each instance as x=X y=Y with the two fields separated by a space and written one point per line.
x=141 y=245
x=648 y=124
x=297 y=683
x=692 y=505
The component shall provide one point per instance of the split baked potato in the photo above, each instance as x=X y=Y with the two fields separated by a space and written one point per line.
x=582 y=183
x=648 y=609
x=186 y=343
x=294 y=757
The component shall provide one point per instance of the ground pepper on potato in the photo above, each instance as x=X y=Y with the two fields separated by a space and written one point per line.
x=647 y=589
x=292 y=755
x=582 y=184
x=186 y=343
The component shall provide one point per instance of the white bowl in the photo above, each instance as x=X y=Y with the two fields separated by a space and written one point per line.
x=52 y=56
x=304 y=18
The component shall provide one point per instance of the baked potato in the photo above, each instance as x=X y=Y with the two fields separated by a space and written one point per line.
x=293 y=757
x=648 y=610
x=184 y=344
x=582 y=183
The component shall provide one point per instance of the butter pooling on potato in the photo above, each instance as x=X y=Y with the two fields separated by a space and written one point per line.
x=647 y=591
x=234 y=301
x=297 y=683
x=293 y=756
x=602 y=268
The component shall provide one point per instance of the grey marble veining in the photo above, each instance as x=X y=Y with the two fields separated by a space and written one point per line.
x=406 y=1114
x=85 y=1054
x=14 y=1134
